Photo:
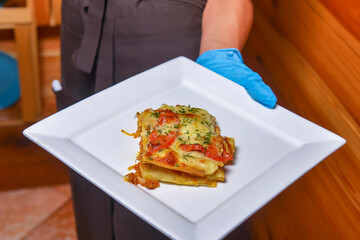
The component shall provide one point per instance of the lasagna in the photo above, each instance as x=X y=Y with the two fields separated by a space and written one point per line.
x=180 y=145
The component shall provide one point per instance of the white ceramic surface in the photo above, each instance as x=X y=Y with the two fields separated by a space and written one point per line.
x=274 y=147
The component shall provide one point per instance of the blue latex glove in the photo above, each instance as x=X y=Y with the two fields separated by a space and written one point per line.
x=229 y=63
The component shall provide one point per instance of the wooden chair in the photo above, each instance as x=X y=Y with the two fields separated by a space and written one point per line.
x=22 y=21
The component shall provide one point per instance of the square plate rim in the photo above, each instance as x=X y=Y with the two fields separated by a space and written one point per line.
x=194 y=230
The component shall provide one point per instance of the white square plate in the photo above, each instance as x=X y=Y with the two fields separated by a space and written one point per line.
x=274 y=147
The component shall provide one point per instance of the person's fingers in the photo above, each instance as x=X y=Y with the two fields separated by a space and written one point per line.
x=261 y=92
x=254 y=85
x=229 y=63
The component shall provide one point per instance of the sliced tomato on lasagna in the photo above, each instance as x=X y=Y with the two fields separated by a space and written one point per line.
x=180 y=145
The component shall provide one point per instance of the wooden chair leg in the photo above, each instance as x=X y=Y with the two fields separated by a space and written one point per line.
x=28 y=62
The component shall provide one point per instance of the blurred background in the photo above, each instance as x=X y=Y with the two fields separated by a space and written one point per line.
x=308 y=51
x=35 y=198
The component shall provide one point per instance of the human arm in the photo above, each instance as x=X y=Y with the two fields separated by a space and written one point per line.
x=225 y=28
x=226 y=24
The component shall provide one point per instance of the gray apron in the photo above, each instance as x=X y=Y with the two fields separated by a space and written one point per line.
x=102 y=43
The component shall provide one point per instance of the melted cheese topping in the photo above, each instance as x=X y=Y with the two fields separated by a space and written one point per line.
x=163 y=133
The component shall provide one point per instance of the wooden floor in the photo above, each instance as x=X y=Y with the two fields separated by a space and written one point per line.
x=44 y=213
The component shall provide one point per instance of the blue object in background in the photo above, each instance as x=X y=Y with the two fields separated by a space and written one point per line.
x=9 y=81
x=228 y=63
x=2 y=2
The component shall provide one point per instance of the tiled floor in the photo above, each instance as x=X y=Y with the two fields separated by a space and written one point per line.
x=37 y=213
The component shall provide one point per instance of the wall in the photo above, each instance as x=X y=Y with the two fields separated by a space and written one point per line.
x=309 y=52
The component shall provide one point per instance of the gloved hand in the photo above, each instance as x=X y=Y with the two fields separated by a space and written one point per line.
x=229 y=63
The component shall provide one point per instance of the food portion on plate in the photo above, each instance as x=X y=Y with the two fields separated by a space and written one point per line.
x=179 y=145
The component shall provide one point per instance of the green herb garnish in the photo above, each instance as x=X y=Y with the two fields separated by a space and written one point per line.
x=155 y=114
x=188 y=155
x=182 y=110
x=207 y=138
x=194 y=110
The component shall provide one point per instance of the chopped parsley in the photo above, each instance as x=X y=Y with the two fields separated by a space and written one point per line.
x=186 y=120
x=207 y=138
x=188 y=155
x=155 y=114
x=181 y=110
x=194 y=110
x=206 y=122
